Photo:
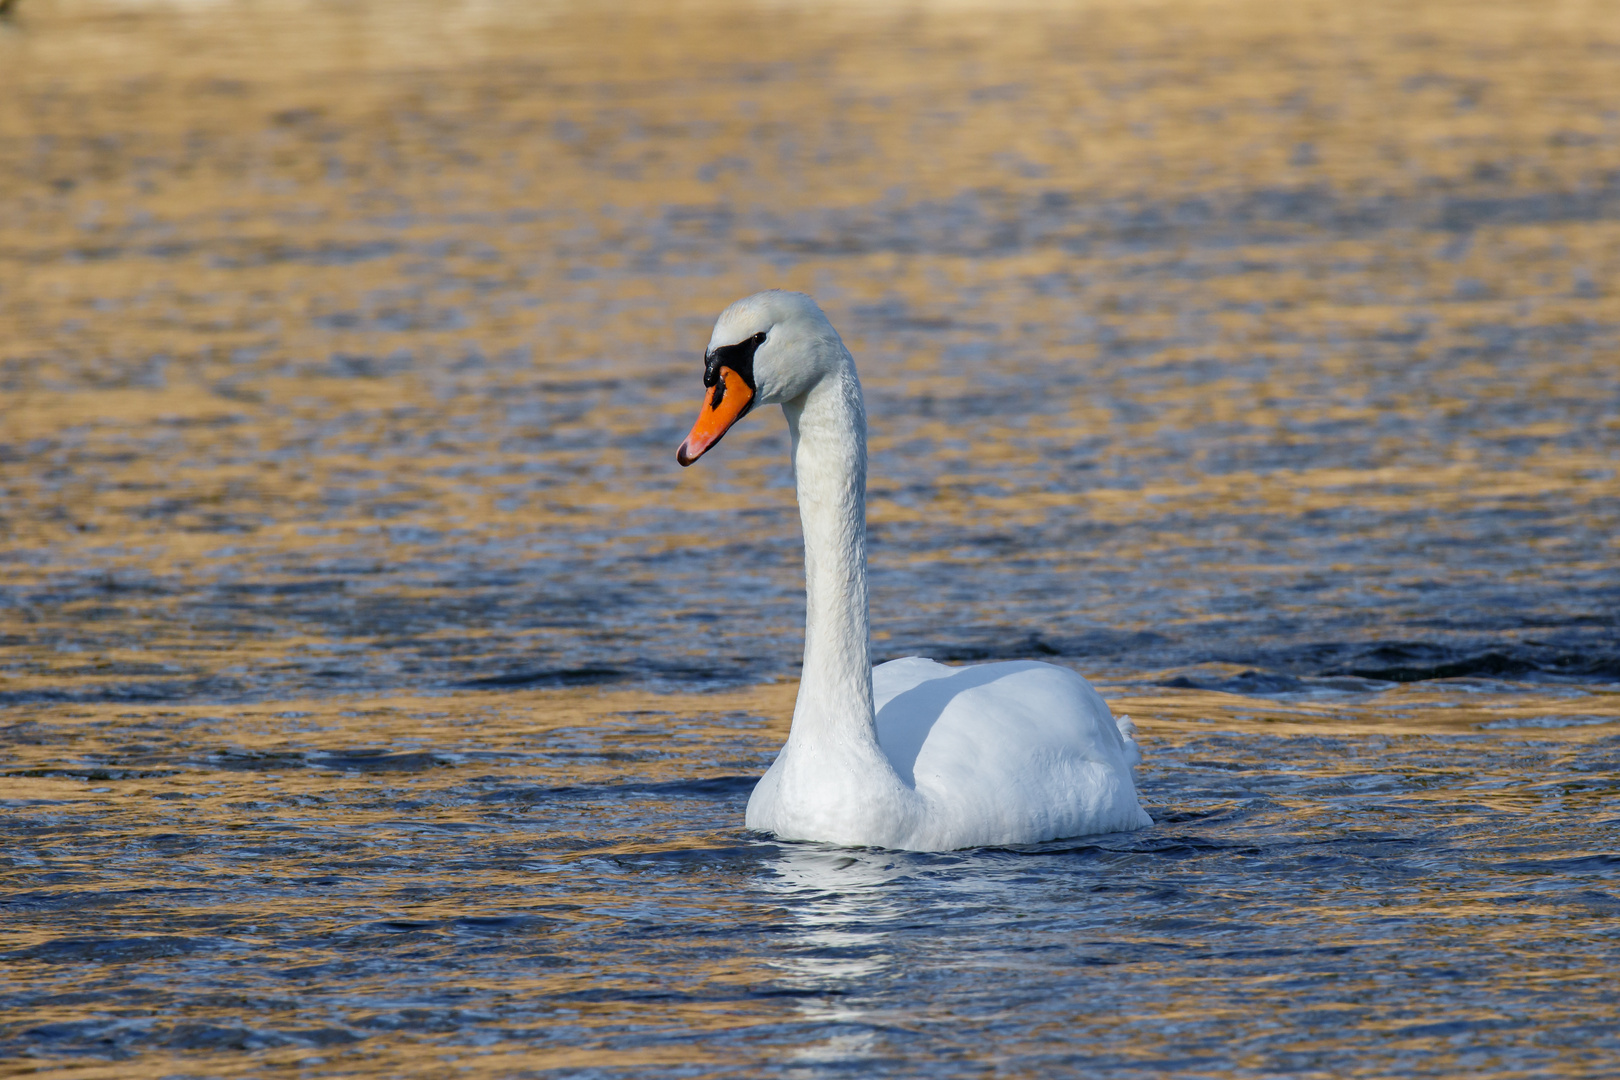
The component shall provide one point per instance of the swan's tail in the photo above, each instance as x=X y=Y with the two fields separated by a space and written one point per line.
x=1127 y=731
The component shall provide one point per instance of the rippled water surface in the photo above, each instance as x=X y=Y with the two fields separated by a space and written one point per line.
x=378 y=697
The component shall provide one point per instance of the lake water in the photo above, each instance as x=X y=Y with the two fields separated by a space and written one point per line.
x=378 y=697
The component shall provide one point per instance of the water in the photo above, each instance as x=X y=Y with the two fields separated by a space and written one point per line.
x=378 y=697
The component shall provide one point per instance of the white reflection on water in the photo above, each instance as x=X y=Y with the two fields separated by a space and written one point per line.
x=843 y=915
x=841 y=912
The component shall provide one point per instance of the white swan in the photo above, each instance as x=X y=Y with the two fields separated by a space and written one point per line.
x=914 y=754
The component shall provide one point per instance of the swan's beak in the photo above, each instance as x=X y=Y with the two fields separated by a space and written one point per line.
x=727 y=403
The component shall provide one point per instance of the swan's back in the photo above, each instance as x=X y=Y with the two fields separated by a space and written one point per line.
x=1005 y=753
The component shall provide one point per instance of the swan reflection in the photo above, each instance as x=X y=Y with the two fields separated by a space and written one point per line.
x=840 y=911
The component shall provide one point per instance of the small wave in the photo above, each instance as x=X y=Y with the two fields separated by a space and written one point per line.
x=1518 y=722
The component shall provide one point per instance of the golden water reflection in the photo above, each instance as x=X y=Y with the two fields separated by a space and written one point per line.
x=344 y=350
x=561 y=877
x=376 y=695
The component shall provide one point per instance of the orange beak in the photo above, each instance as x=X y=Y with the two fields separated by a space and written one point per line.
x=725 y=405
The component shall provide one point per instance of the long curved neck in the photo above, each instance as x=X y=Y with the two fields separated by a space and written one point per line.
x=828 y=424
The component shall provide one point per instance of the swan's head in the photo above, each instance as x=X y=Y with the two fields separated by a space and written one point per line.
x=766 y=349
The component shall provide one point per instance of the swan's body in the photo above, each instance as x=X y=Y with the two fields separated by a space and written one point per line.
x=914 y=754
x=1008 y=753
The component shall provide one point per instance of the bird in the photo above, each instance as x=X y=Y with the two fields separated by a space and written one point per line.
x=911 y=755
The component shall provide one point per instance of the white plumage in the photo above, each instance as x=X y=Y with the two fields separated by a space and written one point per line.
x=913 y=754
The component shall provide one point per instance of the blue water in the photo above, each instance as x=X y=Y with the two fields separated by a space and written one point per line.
x=1304 y=905
x=378 y=698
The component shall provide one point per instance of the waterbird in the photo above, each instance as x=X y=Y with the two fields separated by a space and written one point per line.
x=912 y=754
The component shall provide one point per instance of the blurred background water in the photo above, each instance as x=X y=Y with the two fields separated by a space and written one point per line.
x=378 y=696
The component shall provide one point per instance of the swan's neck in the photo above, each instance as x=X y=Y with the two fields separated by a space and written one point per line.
x=828 y=424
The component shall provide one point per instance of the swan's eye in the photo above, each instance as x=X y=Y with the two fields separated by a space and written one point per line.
x=738 y=357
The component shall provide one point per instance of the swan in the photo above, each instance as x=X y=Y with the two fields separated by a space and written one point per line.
x=912 y=754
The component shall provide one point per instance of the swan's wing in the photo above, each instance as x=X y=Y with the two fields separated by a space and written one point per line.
x=903 y=729
x=1008 y=750
x=897 y=676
